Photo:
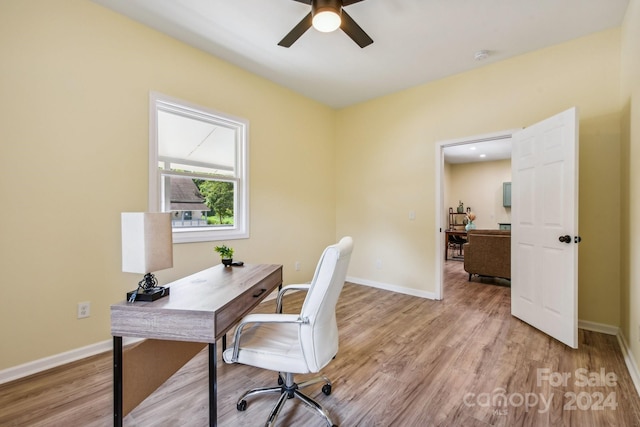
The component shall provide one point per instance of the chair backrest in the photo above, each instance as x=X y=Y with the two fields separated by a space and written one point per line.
x=488 y=253
x=319 y=332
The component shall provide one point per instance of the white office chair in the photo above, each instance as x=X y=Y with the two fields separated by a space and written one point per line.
x=296 y=343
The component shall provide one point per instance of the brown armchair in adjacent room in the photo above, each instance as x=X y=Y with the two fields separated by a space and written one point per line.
x=488 y=253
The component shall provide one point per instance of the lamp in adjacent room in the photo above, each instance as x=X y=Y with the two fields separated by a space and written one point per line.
x=147 y=246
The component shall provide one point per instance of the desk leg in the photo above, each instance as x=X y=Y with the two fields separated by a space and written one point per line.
x=213 y=388
x=117 y=381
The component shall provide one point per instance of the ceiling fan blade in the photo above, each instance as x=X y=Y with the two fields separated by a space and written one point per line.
x=353 y=30
x=347 y=2
x=309 y=1
x=297 y=31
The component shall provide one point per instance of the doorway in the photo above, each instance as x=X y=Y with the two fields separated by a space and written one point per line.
x=544 y=236
x=480 y=148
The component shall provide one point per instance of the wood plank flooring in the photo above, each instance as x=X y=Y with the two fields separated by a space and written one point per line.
x=403 y=361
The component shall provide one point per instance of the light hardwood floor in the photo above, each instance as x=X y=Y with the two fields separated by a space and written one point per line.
x=403 y=361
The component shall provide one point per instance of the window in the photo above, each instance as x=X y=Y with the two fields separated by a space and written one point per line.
x=198 y=170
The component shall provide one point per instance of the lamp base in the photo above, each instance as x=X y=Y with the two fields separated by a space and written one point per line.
x=148 y=294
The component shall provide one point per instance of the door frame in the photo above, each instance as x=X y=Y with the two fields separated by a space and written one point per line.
x=440 y=225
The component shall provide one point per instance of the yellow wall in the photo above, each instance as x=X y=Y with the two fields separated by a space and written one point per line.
x=479 y=186
x=386 y=160
x=74 y=83
x=630 y=198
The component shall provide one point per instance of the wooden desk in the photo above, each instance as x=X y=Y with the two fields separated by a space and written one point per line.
x=447 y=233
x=200 y=309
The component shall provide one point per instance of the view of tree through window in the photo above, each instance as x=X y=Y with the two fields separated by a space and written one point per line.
x=218 y=196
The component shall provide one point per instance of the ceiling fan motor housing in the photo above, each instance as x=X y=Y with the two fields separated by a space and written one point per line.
x=318 y=6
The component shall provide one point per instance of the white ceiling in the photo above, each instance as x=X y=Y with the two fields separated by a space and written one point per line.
x=482 y=151
x=415 y=41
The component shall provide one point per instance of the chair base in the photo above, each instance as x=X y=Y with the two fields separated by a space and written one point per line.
x=288 y=389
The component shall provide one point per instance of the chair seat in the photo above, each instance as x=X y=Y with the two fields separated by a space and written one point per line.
x=274 y=346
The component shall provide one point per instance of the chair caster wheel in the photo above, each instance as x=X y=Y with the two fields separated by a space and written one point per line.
x=326 y=389
x=242 y=405
x=280 y=382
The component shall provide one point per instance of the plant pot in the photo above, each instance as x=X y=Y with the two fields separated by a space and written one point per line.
x=227 y=262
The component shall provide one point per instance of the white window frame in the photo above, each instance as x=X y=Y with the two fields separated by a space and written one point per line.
x=240 y=229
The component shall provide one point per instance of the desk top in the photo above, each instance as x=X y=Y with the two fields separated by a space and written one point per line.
x=201 y=307
x=456 y=232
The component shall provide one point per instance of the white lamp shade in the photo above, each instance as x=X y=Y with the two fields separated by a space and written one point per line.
x=147 y=242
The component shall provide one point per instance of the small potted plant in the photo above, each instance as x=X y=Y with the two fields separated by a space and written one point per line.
x=226 y=254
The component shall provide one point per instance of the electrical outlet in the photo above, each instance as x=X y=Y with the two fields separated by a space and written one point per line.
x=297 y=266
x=379 y=264
x=84 y=309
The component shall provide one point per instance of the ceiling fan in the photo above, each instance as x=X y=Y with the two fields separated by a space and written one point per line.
x=327 y=16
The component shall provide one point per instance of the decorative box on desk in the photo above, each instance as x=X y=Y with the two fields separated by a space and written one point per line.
x=149 y=294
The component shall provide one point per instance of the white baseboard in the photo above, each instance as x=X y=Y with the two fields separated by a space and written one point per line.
x=393 y=288
x=30 y=368
x=629 y=361
x=632 y=367
x=598 y=327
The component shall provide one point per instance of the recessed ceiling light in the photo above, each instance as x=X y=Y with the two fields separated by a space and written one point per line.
x=483 y=155
x=472 y=148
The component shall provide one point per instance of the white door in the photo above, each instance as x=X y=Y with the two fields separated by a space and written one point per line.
x=544 y=216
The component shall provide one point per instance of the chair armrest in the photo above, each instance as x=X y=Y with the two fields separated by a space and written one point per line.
x=301 y=287
x=260 y=318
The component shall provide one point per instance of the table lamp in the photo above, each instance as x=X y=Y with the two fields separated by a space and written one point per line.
x=147 y=245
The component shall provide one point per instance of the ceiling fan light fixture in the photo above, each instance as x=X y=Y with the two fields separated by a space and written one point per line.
x=326 y=15
x=326 y=22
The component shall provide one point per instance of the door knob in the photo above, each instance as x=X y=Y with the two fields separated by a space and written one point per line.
x=577 y=239
x=565 y=239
